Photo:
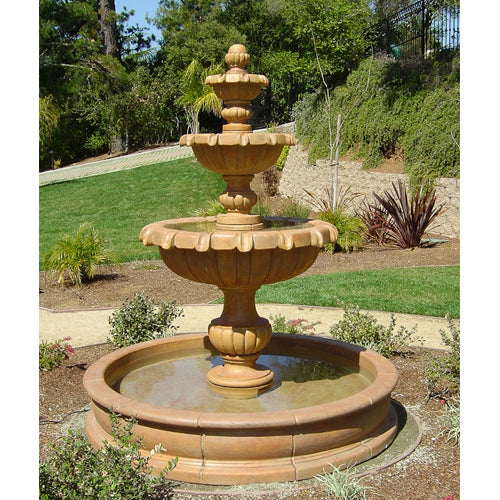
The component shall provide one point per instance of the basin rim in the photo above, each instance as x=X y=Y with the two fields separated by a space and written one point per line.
x=317 y=234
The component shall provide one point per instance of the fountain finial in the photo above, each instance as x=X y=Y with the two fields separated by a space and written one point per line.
x=237 y=58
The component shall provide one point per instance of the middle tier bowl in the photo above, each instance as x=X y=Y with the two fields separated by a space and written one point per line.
x=237 y=153
x=194 y=249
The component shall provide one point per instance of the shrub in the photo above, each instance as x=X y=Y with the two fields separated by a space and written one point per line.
x=76 y=470
x=351 y=230
x=404 y=221
x=298 y=326
x=342 y=484
x=52 y=354
x=270 y=181
x=362 y=329
x=77 y=257
x=211 y=207
x=139 y=320
x=263 y=207
x=443 y=374
x=292 y=208
x=280 y=162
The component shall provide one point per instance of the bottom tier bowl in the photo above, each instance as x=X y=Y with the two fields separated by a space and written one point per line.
x=330 y=405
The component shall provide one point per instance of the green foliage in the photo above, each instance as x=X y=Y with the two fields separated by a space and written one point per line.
x=351 y=230
x=451 y=421
x=362 y=329
x=76 y=470
x=211 y=207
x=280 y=162
x=443 y=375
x=387 y=107
x=403 y=221
x=342 y=484
x=48 y=116
x=140 y=319
x=298 y=326
x=52 y=354
x=77 y=257
x=294 y=209
x=263 y=207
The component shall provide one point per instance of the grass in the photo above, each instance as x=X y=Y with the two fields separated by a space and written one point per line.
x=120 y=204
x=428 y=291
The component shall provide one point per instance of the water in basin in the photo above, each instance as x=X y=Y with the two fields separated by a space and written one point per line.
x=298 y=383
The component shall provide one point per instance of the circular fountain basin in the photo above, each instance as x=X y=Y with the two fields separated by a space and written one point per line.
x=194 y=249
x=330 y=404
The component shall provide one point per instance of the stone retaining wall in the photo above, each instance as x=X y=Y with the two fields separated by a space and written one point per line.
x=297 y=176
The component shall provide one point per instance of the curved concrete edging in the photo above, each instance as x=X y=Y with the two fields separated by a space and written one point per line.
x=90 y=326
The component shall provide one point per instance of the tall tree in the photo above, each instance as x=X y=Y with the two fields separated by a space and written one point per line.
x=109 y=30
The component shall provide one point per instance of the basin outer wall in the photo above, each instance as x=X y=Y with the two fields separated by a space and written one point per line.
x=245 y=448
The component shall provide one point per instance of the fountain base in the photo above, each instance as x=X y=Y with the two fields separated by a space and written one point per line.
x=282 y=435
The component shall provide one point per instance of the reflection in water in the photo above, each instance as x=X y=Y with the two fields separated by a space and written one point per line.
x=298 y=383
x=271 y=224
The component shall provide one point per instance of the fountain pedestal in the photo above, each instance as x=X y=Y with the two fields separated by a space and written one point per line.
x=239 y=335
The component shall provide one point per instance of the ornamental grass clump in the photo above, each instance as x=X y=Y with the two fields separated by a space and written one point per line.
x=77 y=257
x=342 y=484
x=75 y=470
x=141 y=319
x=52 y=354
x=362 y=329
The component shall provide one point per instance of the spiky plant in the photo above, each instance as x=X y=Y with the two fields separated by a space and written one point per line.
x=77 y=257
x=405 y=220
x=351 y=229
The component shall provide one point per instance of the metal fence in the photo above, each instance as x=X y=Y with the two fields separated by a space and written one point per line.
x=425 y=28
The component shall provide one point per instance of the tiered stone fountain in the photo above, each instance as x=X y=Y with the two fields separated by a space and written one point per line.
x=313 y=403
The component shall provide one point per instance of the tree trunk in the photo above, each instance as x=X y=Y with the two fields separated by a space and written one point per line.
x=107 y=20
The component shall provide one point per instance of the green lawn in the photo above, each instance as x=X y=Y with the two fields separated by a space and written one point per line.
x=430 y=291
x=120 y=204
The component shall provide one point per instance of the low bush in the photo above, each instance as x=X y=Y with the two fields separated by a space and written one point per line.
x=211 y=207
x=52 y=354
x=362 y=329
x=299 y=326
x=351 y=230
x=443 y=374
x=77 y=257
x=294 y=209
x=75 y=470
x=140 y=319
x=451 y=421
x=280 y=162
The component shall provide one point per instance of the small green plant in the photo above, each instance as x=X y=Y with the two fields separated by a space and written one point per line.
x=76 y=470
x=451 y=421
x=362 y=329
x=211 y=207
x=298 y=326
x=140 y=319
x=294 y=209
x=52 y=354
x=263 y=207
x=443 y=374
x=77 y=257
x=342 y=484
x=280 y=162
x=351 y=230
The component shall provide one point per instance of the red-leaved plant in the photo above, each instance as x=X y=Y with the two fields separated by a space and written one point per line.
x=401 y=220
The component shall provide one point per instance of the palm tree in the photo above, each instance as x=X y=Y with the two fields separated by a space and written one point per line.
x=196 y=96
